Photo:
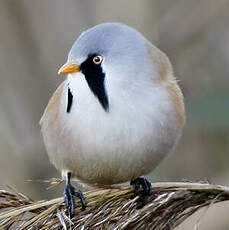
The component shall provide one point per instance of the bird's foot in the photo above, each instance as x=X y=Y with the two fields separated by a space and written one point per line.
x=143 y=188
x=69 y=193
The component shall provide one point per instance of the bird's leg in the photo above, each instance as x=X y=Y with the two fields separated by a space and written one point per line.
x=137 y=186
x=144 y=183
x=69 y=193
x=146 y=190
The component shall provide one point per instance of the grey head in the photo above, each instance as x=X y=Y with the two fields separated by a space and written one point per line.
x=123 y=52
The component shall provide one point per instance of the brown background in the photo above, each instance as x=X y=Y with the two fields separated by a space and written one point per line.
x=35 y=37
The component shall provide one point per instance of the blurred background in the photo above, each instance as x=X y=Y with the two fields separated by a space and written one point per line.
x=35 y=37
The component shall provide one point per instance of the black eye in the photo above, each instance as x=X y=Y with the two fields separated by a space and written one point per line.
x=98 y=59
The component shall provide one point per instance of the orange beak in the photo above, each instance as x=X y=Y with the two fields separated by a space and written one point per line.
x=69 y=67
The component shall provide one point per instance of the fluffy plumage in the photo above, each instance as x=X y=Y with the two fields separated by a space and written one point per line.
x=146 y=110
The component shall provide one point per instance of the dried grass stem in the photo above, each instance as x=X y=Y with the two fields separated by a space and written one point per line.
x=111 y=208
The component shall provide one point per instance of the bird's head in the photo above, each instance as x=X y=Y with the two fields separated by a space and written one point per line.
x=110 y=54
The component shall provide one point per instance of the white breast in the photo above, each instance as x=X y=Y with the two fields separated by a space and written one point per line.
x=101 y=147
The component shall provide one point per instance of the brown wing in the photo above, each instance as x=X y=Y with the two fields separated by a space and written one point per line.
x=164 y=67
x=52 y=110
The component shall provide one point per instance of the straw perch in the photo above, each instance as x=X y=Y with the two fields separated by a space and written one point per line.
x=170 y=204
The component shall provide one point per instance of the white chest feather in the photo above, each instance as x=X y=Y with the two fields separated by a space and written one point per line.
x=101 y=147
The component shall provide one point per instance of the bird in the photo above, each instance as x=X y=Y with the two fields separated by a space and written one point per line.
x=118 y=113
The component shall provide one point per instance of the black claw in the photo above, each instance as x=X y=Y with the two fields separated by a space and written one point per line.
x=147 y=187
x=67 y=196
x=137 y=187
x=81 y=197
x=69 y=199
x=142 y=187
x=69 y=193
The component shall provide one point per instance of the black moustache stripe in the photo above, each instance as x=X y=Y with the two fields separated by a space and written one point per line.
x=70 y=100
x=95 y=78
